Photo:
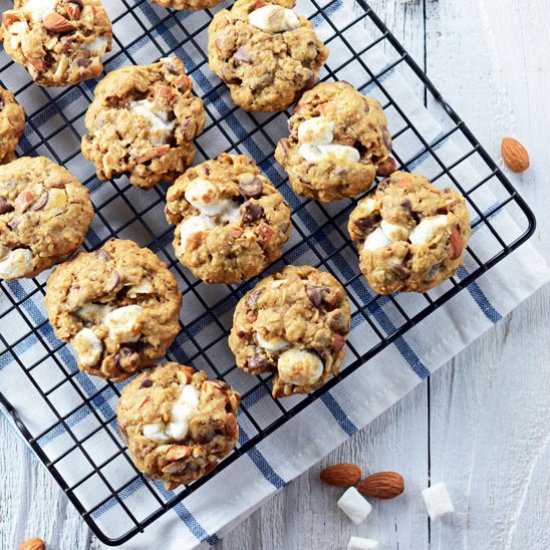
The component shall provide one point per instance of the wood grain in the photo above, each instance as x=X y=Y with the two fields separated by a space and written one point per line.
x=481 y=422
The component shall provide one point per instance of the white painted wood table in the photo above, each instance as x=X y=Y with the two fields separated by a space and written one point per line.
x=481 y=423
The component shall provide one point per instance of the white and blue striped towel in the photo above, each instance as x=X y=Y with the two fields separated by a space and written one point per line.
x=234 y=493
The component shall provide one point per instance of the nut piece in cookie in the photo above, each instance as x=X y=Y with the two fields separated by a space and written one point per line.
x=142 y=123
x=118 y=307
x=338 y=142
x=293 y=324
x=187 y=4
x=231 y=223
x=177 y=423
x=12 y=124
x=45 y=213
x=60 y=42
x=411 y=236
x=265 y=53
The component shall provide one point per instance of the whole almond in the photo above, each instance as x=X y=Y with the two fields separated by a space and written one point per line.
x=457 y=243
x=33 y=544
x=54 y=22
x=515 y=155
x=341 y=475
x=383 y=485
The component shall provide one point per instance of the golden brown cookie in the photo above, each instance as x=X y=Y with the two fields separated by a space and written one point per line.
x=12 y=124
x=294 y=324
x=142 y=123
x=177 y=423
x=265 y=53
x=338 y=142
x=59 y=42
x=411 y=236
x=45 y=213
x=231 y=222
x=118 y=307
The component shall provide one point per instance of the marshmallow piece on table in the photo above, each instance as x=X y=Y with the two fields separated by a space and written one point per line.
x=427 y=228
x=376 y=240
x=272 y=18
x=359 y=543
x=299 y=367
x=354 y=505
x=438 y=501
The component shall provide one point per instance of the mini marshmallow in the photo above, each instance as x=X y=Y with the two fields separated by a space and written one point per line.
x=367 y=207
x=273 y=18
x=94 y=313
x=354 y=505
x=125 y=323
x=341 y=152
x=183 y=410
x=394 y=232
x=277 y=344
x=317 y=130
x=426 y=229
x=88 y=347
x=437 y=500
x=40 y=8
x=161 y=127
x=314 y=153
x=358 y=543
x=299 y=367
x=16 y=263
x=376 y=240
x=194 y=224
x=204 y=196
x=154 y=432
x=99 y=46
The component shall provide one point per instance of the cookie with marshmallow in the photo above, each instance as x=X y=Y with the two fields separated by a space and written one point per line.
x=59 y=42
x=142 y=123
x=294 y=324
x=339 y=141
x=178 y=424
x=411 y=236
x=231 y=223
x=265 y=52
x=118 y=307
x=45 y=213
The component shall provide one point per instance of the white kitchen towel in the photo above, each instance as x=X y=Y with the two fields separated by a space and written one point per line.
x=236 y=491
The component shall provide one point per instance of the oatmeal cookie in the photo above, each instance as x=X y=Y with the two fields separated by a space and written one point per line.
x=12 y=124
x=411 y=236
x=142 y=123
x=338 y=142
x=177 y=423
x=60 y=42
x=294 y=324
x=265 y=53
x=118 y=307
x=45 y=213
x=231 y=222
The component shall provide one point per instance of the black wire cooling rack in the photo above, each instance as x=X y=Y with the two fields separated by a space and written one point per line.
x=54 y=128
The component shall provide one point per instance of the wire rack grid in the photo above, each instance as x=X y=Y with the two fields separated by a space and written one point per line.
x=55 y=127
